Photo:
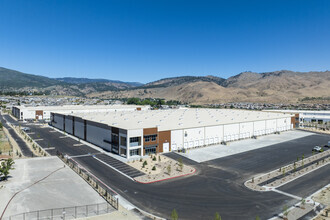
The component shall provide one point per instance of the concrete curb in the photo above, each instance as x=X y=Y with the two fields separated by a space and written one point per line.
x=267 y=188
x=173 y=177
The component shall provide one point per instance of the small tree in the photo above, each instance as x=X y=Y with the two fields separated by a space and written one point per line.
x=217 y=216
x=1 y=126
x=169 y=169
x=6 y=166
x=159 y=158
x=283 y=171
x=285 y=212
x=303 y=201
x=153 y=168
x=174 y=215
x=257 y=218
x=180 y=164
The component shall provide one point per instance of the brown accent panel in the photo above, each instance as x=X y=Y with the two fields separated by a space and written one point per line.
x=164 y=137
x=138 y=109
x=293 y=121
x=39 y=113
x=150 y=131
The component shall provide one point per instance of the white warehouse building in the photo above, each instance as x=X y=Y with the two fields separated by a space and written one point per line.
x=303 y=116
x=44 y=112
x=139 y=133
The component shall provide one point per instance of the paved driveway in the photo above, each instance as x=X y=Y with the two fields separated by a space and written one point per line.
x=216 y=187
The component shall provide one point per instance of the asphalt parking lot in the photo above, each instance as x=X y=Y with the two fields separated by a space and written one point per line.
x=216 y=187
x=20 y=142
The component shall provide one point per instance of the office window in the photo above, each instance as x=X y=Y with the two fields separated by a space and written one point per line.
x=114 y=138
x=151 y=150
x=134 y=152
x=152 y=137
x=135 y=141
x=123 y=141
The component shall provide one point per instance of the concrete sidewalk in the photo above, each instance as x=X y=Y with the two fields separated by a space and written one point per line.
x=63 y=188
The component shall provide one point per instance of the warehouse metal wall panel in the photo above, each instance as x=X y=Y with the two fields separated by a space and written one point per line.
x=193 y=134
x=214 y=134
x=270 y=126
x=97 y=135
x=176 y=139
x=58 y=121
x=246 y=130
x=68 y=125
x=79 y=128
x=259 y=128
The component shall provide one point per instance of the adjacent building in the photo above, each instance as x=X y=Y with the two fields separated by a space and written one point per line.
x=306 y=116
x=44 y=112
x=139 y=133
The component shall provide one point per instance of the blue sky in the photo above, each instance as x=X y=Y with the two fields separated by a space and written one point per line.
x=148 y=40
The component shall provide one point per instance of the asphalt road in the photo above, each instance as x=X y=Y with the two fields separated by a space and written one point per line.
x=306 y=185
x=21 y=143
x=216 y=187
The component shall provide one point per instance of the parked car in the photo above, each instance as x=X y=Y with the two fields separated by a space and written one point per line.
x=317 y=149
x=26 y=129
x=326 y=146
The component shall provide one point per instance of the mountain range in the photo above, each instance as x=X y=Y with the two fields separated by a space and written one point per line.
x=279 y=86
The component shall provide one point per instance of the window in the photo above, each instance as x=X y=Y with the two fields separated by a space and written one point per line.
x=152 y=137
x=114 y=138
x=134 y=152
x=151 y=150
x=123 y=141
x=135 y=141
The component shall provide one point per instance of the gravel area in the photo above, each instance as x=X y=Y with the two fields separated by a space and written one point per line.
x=159 y=167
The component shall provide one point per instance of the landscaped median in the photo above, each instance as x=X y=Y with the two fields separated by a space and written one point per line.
x=288 y=173
x=159 y=168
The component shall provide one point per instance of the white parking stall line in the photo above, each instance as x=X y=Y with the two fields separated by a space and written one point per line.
x=38 y=139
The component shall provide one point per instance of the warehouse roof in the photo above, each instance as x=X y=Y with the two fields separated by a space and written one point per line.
x=174 y=119
x=300 y=111
x=59 y=108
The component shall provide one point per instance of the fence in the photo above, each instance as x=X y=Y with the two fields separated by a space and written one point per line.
x=64 y=213
x=109 y=196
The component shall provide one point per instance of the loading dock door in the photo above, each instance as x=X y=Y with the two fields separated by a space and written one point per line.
x=166 y=147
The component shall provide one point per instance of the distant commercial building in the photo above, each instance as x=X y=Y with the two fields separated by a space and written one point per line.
x=305 y=116
x=44 y=112
x=139 y=133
